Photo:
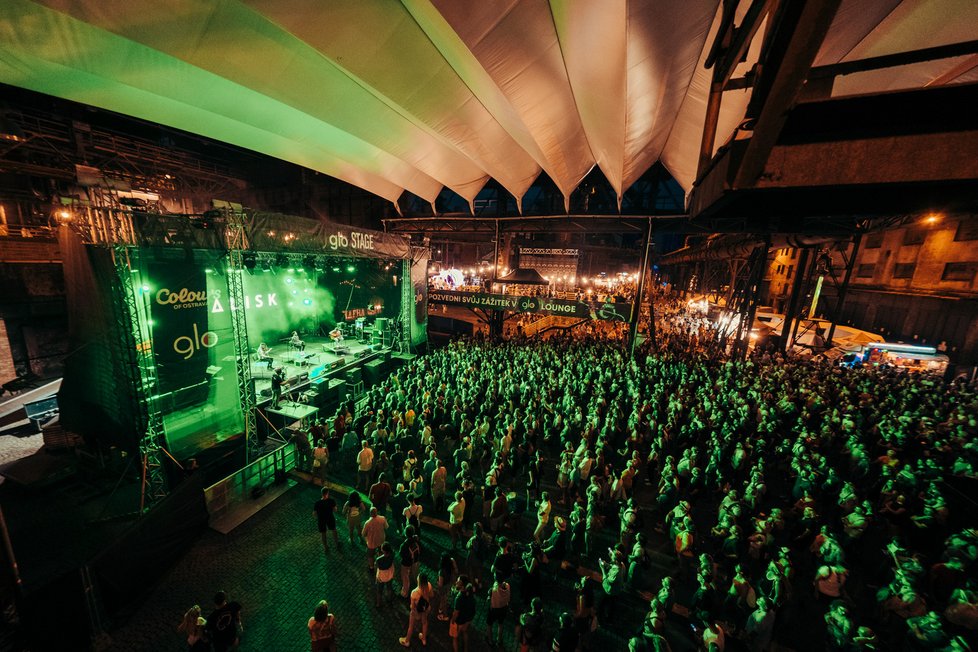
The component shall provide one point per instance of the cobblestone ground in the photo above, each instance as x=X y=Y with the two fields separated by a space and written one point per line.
x=275 y=567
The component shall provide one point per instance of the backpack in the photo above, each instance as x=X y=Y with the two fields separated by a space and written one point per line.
x=422 y=605
x=413 y=519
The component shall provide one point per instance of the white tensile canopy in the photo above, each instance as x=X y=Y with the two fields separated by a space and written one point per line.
x=417 y=95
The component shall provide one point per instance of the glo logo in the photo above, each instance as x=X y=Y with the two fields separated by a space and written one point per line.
x=187 y=345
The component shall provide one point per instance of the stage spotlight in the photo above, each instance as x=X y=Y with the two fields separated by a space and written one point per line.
x=281 y=260
x=266 y=266
x=249 y=260
x=351 y=268
x=309 y=262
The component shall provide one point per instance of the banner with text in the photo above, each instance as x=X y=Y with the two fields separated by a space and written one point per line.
x=274 y=232
x=608 y=310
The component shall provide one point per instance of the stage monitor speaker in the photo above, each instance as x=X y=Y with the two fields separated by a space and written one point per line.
x=354 y=376
x=337 y=389
x=373 y=371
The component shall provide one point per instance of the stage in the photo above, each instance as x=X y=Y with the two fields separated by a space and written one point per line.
x=199 y=427
x=320 y=356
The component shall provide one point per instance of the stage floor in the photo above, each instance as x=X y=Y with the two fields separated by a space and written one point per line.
x=203 y=426
x=298 y=365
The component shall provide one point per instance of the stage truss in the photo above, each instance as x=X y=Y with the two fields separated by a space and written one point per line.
x=230 y=228
x=237 y=244
x=137 y=345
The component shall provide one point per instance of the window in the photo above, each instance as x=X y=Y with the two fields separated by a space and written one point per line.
x=904 y=270
x=866 y=270
x=967 y=230
x=874 y=240
x=791 y=270
x=914 y=235
x=959 y=272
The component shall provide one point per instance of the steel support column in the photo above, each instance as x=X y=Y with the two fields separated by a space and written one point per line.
x=637 y=309
x=137 y=346
x=794 y=301
x=840 y=302
x=746 y=297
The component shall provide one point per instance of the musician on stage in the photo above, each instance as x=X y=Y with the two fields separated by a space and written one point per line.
x=296 y=343
x=264 y=354
x=337 y=336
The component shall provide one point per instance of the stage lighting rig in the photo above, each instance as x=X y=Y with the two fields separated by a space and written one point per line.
x=249 y=260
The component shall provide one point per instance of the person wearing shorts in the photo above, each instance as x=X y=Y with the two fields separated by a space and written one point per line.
x=325 y=512
x=498 y=608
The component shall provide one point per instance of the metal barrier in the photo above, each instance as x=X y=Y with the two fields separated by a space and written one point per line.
x=240 y=489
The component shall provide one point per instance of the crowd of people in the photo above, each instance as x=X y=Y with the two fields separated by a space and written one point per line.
x=789 y=495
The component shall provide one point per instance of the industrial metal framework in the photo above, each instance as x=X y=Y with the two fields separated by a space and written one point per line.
x=136 y=345
x=745 y=295
x=237 y=241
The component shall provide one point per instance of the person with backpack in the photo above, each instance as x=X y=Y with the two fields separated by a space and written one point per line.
x=410 y=558
x=322 y=629
x=529 y=631
x=420 y=608
x=412 y=514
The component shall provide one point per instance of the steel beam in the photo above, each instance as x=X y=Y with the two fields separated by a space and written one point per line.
x=797 y=35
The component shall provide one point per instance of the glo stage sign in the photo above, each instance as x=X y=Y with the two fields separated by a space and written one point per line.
x=607 y=311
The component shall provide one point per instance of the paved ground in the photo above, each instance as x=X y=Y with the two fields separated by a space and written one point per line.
x=275 y=567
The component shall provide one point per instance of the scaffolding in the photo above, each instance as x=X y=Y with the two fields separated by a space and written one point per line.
x=137 y=346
